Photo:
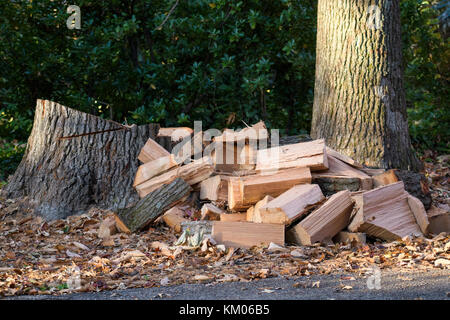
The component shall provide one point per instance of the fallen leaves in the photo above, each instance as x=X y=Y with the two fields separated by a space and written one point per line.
x=37 y=257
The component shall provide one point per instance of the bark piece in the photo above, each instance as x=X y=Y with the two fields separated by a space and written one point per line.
x=359 y=105
x=192 y=173
x=247 y=234
x=153 y=205
x=243 y=192
x=350 y=237
x=253 y=214
x=211 y=212
x=233 y=217
x=74 y=160
x=310 y=154
x=419 y=213
x=291 y=205
x=384 y=213
x=384 y=178
x=153 y=168
x=324 y=222
x=152 y=150
x=174 y=217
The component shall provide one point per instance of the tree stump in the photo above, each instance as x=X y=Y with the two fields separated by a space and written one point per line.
x=75 y=160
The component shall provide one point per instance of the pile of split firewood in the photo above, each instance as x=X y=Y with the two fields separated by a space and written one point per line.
x=299 y=193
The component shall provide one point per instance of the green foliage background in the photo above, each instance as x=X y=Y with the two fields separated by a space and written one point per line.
x=217 y=61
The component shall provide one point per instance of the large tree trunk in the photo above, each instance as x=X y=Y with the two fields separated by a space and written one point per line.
x=359 y=99
x=75 y=160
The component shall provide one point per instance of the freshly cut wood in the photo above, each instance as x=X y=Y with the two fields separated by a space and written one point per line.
x=152 y=150
x=233 y=217
x=253 y=214
x=214 y=188
x=192 y=173
x=246 y=135
x=439 y=220
x=325 y=222
x=175 y=133
x=291 y=205
x=174 y=217
x=247 y=234
x=74 y=160
x=153 y=205
x=372 y=171
x=384 y=213
x=350 y=237
x=243 y=192
x=338 y=169
x=153 y=168
x=419 y=213
x=384 y=178
x=310 y=154
x=344 y=158
x=230 y=157
x=211 y=212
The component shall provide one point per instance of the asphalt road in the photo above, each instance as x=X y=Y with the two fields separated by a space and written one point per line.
x=430 y=285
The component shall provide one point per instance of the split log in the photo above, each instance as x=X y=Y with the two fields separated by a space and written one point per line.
x=372 y=171
x=243 y=192
x=247 y=234
x=174 y=217
x=253 y=214
x=152 y=150
x=384 y=213
x=211 y=212
x=341 y=174
x=214 y=188
x=192 y=173
x=419 y=213
x=154 y=204
x=230 y=157
x=247 y=135
x=153 y=168
x=344 y=158
x=169 y=138
x=325 y=222
x=74 y=160
x=415 y=183
x=233 y=217
x=306 y=154
x=291 y=205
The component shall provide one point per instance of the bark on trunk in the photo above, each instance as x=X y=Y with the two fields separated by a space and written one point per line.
x=359 y=99
x=74 y=160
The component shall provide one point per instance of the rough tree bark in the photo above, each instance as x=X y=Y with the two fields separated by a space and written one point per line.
x=359 y=99
x=74 y=160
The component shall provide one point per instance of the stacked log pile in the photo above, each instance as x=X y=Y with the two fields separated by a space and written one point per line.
x=301 y=193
